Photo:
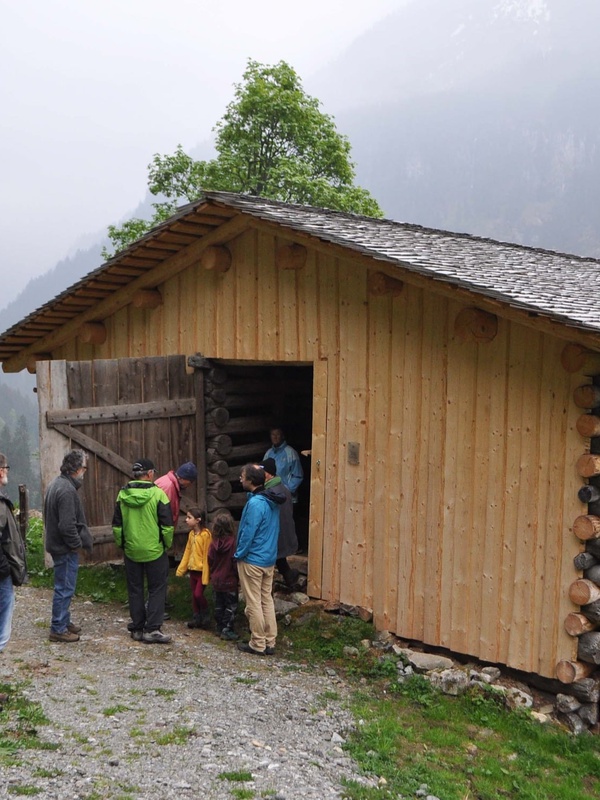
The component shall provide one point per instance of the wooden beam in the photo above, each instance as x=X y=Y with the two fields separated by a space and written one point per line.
x=95 y=447
x=576 y=358
x=571 y=671
x=380 y=284
x=475 y=325
x=33 y=361
x=216 y=258
x=110 y=305
x=92 y=333
x=147 y=298
x=124 y=412
x=291 y=256
x=587 y=396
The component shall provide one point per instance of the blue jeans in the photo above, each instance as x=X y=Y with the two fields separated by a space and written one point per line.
x=7 y=604
x=65 y=580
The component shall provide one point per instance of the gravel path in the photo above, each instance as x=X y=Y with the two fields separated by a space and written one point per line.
x=165 y=721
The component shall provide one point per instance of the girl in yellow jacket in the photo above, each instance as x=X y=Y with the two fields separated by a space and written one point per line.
x=195 y=561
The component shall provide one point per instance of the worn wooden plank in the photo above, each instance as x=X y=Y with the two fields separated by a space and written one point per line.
x=128 y=411
x=317 y=479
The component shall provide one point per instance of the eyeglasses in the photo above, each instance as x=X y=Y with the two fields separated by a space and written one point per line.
x=6 y=467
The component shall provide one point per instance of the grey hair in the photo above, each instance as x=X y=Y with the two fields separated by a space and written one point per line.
x=73 y=462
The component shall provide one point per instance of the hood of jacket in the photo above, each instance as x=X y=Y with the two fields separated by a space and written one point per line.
x=136 y=493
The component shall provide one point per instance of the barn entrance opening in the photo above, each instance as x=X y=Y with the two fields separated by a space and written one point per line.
x=242 y=402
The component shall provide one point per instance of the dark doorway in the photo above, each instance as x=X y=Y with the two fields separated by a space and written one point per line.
x=242 y=402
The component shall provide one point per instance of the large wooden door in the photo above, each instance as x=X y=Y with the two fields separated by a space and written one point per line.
x=119 y=410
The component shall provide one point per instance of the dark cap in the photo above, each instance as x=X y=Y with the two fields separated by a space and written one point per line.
x=143 y=465
x=187 y=471
x=269 y=466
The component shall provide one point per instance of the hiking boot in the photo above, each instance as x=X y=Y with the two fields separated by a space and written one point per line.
x=195 y=623
x=67 y=636
x=72 y=628
x=156 y=637
x=244 y=647
x=269 y=651
x=291 y=578
x=137 y=635
x=228 y=635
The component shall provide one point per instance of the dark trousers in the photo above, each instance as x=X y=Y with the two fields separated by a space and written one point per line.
x=226 y=604
x=147 y=615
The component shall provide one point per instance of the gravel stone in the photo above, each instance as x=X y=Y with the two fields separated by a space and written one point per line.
x=166 y=721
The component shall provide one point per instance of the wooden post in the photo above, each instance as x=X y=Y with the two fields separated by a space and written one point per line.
x=571 y=671
x=576 y=358
x=587 y=396
x=291 y=256
x=92 y=333
x=380 y=284
x=588 y=647
x=577 y=624
x=587 y=527
x=147 y=298
x=23 y=511
x=588 y=425
x=216 y=258
x=475 y=325
x=582 y=592
x=588 y=465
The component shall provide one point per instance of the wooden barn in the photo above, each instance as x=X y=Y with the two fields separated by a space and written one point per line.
x=441 y=382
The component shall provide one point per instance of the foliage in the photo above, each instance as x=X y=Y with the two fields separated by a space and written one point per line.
x=15 y=443
x=273 y=141
x=19 y=722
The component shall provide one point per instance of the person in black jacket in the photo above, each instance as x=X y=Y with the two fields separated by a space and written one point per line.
x=7 y=592
x=66 y=533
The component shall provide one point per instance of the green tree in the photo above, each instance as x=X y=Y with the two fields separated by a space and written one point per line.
x=273 y=141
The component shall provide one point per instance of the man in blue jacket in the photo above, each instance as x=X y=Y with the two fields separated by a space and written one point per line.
x=256 y=554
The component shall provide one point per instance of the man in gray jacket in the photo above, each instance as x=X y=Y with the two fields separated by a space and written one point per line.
x=66 y=533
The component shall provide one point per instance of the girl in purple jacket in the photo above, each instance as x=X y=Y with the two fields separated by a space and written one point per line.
x=223 y=574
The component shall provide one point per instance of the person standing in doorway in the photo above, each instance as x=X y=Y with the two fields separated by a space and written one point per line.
x=176 y=481
x=8 y=530
x=289 y=468
x=256 y=554
x=143 y=528
x=287 y=544
x=66 y=532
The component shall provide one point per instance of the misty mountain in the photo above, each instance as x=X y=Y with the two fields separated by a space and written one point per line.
x=479 y=116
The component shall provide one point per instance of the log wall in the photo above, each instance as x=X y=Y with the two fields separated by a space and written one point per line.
x=455 y=524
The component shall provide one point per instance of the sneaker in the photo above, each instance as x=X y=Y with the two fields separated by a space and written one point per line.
x=229 y=636
x=269 y=651
x=137 y=635
x=244 y=647
x=67 y=636
x=155 y=637
x=72 y=628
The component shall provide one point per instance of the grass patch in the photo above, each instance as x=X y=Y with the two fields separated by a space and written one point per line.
x=239 y=776
x=179 y=735
x=19 y=722
x=24 y=790
x=110 y=711
x=243 y=794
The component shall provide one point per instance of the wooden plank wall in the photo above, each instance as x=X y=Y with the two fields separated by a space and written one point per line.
x=454 y=526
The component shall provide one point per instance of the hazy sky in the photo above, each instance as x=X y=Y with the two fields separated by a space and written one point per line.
x=91 y=89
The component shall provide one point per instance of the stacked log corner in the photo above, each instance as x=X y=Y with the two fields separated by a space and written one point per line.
x=231 y=398
x=584 y=624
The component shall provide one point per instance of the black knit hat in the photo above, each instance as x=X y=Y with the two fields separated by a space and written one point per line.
x=269 y=466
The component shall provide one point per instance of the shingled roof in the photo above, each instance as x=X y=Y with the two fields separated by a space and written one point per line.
x=555 y=285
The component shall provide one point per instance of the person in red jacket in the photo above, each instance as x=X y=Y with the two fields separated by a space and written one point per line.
x=174 y=483
x=224 y=574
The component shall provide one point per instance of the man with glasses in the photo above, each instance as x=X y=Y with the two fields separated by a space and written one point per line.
x=8 y=528
x=66 y=533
